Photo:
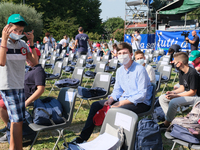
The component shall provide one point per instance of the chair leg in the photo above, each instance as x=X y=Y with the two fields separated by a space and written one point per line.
x=86 y=82
x=174 y=78
x=78 y=108
x=51 y=88
x=63 y=137
x=56 y=143
x=164 y=88
x=173 y=145
x=34 y=140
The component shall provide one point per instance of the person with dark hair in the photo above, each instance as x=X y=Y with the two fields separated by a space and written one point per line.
x=135 y=40
x=132 y=90
x=13 y=54
x=139 y=57
x=195 y=59
x=82 y=41
x=194 y=42
x=175 y=48
x=63 y=44
x=47 y=42
x=186 y=94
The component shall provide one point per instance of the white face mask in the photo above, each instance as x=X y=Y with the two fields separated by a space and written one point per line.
x=124 y=59
x=15 y=36
x=140 y=61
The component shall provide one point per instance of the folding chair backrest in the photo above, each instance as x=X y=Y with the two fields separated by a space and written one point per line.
x=155 y=53
x=150 y=111
x=158 y=81
x=163 y=63
x=84 y=57
x=78 y=73
x=102 y=79
x=100 y=67
x=41 y=51
x=42 y=62
x=96 y=59
x=150 y=57
x=64 y=51
x=113 y=63
x=51 y=50
x=165 y=70
x=58 y=68
x=58 y=51
x=43 y=56
x=70 y=52
x=105 y=58
x=166 y=59
x=71 y=56
x=80 y=62
x=52 y=60
x=94 y=55
x=125 y=118
x=62 y=55
x=65 y=61
x=67 y=97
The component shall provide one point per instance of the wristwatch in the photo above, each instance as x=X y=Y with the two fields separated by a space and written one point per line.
x=32 y=46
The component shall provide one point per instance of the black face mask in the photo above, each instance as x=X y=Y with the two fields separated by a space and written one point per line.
x=177 y=68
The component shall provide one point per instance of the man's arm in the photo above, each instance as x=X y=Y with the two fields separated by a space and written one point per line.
x=76 y=43
x=35 y=95
x=197 y=68
x=3 y=47
x=191 y=41
x=90 y=44
x=31 y=56
x=191 y=92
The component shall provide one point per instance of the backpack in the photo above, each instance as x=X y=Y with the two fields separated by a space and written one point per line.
x=67 y=82
x=158 y=114
x=90 y=74
x=47 y=112
x=148 y=136
x=91 y=92
x=27 y=132
x=187 y=128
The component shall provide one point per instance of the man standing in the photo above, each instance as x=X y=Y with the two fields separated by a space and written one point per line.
x=135 y=40
x=82 y=41
x=194 y=42
x=13 y=54
x=132 y=90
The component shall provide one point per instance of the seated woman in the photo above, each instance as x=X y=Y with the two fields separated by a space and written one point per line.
x=114 y=51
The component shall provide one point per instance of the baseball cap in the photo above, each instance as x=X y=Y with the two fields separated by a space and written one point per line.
x=14 y=18
x=194 y=54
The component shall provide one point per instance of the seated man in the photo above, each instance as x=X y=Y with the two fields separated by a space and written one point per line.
x=132 y=90
x=186 y=94
x=34 y=86
x=175 y=48
x=139 y=57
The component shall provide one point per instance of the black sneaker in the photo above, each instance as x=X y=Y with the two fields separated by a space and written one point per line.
x=163 y=127
x=3 y=130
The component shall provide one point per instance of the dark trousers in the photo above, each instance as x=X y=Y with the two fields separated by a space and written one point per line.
x=78 y=54
x=96 y=106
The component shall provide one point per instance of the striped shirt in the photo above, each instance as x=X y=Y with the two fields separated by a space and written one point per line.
x=12 y=74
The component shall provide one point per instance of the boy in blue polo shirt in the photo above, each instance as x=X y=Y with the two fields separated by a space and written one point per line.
x=13 y=54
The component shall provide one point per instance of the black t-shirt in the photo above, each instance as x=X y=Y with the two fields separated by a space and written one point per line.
x=190 y=80
x=82 y=42
x=34 y=77
x=195 y=45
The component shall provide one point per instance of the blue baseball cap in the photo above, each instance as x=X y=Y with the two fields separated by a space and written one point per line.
x=14 y=18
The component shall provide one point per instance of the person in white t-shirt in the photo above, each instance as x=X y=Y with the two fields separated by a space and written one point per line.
x=139 y=58
x=135 y=40
x=63 y=43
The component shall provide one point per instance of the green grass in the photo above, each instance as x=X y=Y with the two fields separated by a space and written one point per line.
x=46 y=142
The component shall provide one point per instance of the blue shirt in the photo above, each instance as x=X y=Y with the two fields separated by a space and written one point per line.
x=82 y=42
x=133 y=85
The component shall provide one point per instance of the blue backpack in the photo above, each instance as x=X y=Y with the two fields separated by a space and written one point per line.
x=47 y=112
x=148 y=136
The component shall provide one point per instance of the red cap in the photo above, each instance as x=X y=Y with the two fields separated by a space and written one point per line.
x=37 y=51
x=37 y=42
x=100 y=115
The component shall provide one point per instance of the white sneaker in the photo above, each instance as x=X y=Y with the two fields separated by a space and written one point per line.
x=3 y=139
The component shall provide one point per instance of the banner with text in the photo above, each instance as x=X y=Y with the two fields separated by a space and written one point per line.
x=147 y=42
x=164 y=39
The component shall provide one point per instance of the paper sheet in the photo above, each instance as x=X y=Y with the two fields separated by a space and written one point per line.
x=157 y=77
x=115 y=61
x=98 y=58
x=69 y=96
x=102 y=66
x=123 y=120
x=165 y=59
x=59 y=65
x=81 y=61
x=79 y=71
x=103 y=142
x=166 y=68
x=106 y=57
x=164 y=63
x=43 y=62
x=104 y=78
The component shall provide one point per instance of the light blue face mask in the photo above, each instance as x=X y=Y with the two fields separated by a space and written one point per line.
x=140 y=61
x=15 y=36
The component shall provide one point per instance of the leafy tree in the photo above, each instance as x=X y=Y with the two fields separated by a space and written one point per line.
x=28 y=13
x=93 y=36
x=119 y=34
x=112 y=24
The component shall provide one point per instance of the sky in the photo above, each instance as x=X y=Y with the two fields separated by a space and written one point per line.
x=112 y=8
